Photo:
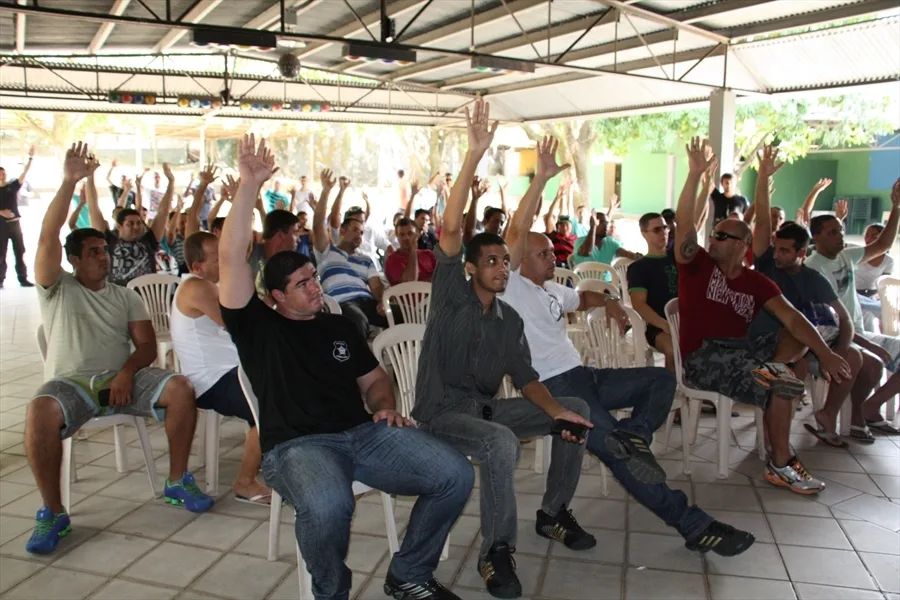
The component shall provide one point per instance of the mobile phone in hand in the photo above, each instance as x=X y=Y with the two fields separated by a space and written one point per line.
x=576 y=429
x=103 y=397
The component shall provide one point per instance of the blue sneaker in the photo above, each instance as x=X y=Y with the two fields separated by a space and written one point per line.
x=187 y=493
x=47 y=531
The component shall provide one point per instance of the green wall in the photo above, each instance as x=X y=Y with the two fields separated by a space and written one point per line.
x=644 y=178
x=852 y=177
x=795 y=180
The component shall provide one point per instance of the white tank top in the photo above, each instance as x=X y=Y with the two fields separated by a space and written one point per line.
x=205 y=350
x=303 y=204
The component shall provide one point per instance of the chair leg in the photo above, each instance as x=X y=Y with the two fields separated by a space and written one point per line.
x=694 y=426
x=846 y=416
x=202 y=416
x=685 y=441
x=667 y=433
x=445 y=553
x=147 y=449
x=538 y=455
x=65 y=474
x=212 y=452
x=121 y=458
x=304 y=576
x=390 y=525
x=760 y=434
x=275 y=530
x=604 y=479
x=723 y=433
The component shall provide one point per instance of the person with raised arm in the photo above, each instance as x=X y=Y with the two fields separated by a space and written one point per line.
x=10 y=223
x=314 y=377
x=718 y=299
x=192 y=218
x=473 y=339
x=804 y=213
x=598 y=246
x=90 y=326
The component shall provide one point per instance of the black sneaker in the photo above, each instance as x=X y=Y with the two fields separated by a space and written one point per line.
x=722 y=539
x=640 y=460
x=433 y=590
x=25 y=283
x=499 y=572
x=564 y=528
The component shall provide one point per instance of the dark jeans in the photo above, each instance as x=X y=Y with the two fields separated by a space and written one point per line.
x=364 y=314
x=649 y=393
x=12 y=230
x=495 y=444
x=315 y=473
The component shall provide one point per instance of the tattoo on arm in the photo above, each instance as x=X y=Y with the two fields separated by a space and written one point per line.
x=689 y=247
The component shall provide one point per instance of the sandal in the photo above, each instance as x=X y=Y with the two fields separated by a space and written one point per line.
x=831 y=439
x=862 y=434
x=883 y=426
x=258 y=499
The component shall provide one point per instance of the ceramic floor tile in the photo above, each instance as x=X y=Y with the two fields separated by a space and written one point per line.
x=11 y=462
x=880 y=465
x=77 y=536
x=14 y=571
x=760 y=560
x=810 y=591
x=257 y=543
x=888 y=484
x=58 y=584
x=153 y=521
x=12 y=527
x=366 y=552
x=640 y=519
x=725 y=497
x=288 y=589
x=755 y=523
x=106 y=553
x=824 y=566
x=868 y=537
x=527 y=542
x=119 y=589
x=808 y=531
x=746 y=588
x=242 y=577
x=175 y=564
x=829 y=461
x=784 y=502
x=219 y=532
x=661 y=552
x=610 y=548
x=648 y=584
x=872 y=509
x=134 y=486
x=885 y=568
x=858 y=481
x=13 y=491
x=100 y=512
x=569 y=580
x=597 y=513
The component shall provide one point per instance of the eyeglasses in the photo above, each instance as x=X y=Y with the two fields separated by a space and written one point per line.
x=721 y=236
x=658 y=229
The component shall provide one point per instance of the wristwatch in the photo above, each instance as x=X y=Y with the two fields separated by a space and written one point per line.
x=611 y=298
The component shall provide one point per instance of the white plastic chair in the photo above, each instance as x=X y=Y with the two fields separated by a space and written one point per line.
x=889 y=293
x=68 y=473
x=598 y=270
x=332 y=304
x=695 y=397
x=620 y=265
x=157 y=291
x=596 y=285
x=564 y=276
x=413 y=298
x=305 y=579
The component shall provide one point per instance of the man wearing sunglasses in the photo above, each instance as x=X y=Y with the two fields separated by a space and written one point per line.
x=718 y=299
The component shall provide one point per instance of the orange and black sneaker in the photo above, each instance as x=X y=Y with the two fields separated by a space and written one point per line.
x=794 y=477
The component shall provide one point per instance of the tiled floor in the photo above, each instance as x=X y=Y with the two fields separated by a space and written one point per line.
x=125 y=545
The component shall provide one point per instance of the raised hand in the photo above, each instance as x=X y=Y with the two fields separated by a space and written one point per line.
x=821 y=184
x=167 y=171
x=895 y=194
x=614 y=203
x=841 y=210
x=344 y=183
x=326 y=177
x=115 y=163
x=547 y=167
x=230 y=187
x=708 y=179
x=256 y=163
x=768 y=161
x=413 y=189
x=76 y=167
x=478 y=126
x=209 y=174
x=479 y=187
x=31 y=151
x=593 y=220
x=700 y=155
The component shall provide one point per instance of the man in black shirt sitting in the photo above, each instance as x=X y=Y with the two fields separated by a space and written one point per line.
x=309 y=370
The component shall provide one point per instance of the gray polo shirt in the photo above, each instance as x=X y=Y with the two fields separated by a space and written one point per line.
x=466 y=351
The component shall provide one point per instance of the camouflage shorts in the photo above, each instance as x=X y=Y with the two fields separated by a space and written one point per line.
x=726 y=366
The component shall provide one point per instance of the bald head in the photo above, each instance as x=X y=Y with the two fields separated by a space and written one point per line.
x=736 y=227
x=538 y=262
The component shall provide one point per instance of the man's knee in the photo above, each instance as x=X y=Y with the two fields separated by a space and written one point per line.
x=327 y=503
x=871 y=366
x=44 y=410
x=500 y=445
x=178 y=391
x=789 y=349
x=854 y=359
x=576 y=405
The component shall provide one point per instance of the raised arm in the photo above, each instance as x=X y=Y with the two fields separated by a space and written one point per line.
x=256 y=164
x=123 y=197
x=207 y=177
x=805 y=212
x=547 y=169
x=334 y=217
x=587 y=246
x=172 y=224
x=224 y=195
x=884 y=241
x=321 y=236
x=700 y=158
x=481 y=135
x=48 y=259
x=408 y=211
x=158 y=226
x=501 y=187
x=98 y=222
x=138 y=191
x=112 y=167
x=471 y=214
x=707 y=185
x=73 y=218
x=27 y=165
x=551 y=211
x=762 y=232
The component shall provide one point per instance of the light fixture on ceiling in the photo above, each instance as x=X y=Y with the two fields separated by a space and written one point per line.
x=385 y=53
x=291 y=43
x=501 y=65
x=246 y=39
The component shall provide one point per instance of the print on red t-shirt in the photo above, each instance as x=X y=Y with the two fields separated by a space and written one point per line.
x=396 y=263
x=713 y=306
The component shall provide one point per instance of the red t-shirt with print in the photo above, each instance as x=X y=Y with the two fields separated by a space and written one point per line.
x=713 y=306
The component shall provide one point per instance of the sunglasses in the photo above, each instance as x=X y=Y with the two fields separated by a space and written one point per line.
x=721 y=236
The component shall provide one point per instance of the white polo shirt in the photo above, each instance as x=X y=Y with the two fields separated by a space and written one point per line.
x=543 y=309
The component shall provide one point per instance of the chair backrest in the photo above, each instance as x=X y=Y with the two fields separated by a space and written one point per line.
x=673 y=316
x=595 y=285
x=612 y=348
x=507 y=390
x=403 y=345
x=252 y=401
x=42 y=341
x=620 y=265
x=889 y=294
x=597 y=270
x=566 y=277
x=413 y=298
x=157 y=291
x=332 y=304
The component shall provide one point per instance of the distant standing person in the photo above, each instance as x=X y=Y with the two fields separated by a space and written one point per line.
x=728 y=200
x=10 y=227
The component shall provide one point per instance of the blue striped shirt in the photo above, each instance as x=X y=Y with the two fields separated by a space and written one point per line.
x=345 y=276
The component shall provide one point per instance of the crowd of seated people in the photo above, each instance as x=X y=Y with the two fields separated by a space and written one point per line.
x=327 y=410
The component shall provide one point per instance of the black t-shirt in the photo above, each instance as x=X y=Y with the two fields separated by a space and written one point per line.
x=131 y=259
x=116 y=192
x=724 y=206
x=303 y=372
x=427 y=241
x=9 y=196
x=656 y=275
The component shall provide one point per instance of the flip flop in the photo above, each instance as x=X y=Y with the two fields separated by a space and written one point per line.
x=831 y=439
x=257 y=499
x=862 y=434
x=883 y=426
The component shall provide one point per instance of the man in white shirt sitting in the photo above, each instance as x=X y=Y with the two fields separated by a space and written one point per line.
x=867 y=274
x=208 y=356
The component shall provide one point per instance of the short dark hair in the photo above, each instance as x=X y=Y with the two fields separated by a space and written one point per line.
x=125 y=213
x=448 y=174
x=74 y=245
x=646 y=218
x=817 y=224
x=490 y=211
x=778 y=208
x=302 y=212
x=422 y=211
x=727 y=176
x=278 y=221
x=668 y=214
x=193 y=247
x=879 y=227
x=217 y=223
x=478 y=242
x=401 y=173
x=796 y=233
x=405 y=222
x=353 y=211
x=280 y=267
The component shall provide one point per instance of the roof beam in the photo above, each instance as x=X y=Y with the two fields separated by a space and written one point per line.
x=431 y=38
x=195 y=15
x=504 y=45
x=837 y=13
x=20 y=28
x=695 y=14
x=353 y=27
x=668 y=21
x=102 y=34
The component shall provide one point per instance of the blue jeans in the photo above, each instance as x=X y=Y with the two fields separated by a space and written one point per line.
x=315 y=474
x=649 y=393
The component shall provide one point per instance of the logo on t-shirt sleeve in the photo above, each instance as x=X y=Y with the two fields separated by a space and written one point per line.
x=341 y=352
